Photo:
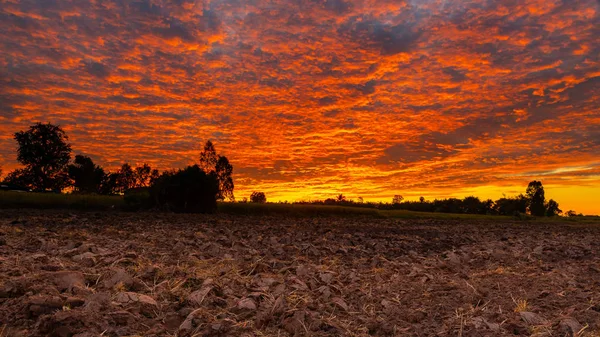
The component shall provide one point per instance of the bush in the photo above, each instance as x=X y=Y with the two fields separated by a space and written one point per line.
x=190 y=190
x=258 y=197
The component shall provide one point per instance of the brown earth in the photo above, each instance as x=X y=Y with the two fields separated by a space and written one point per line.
x=121 y=274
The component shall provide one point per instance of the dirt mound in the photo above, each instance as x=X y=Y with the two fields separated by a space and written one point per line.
x=120 y=274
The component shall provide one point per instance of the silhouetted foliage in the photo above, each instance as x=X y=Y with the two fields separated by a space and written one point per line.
x=258 y=197
x=190 y=190
x=421 y=199
x=397 y=199
x=85 y=175
x=110 y=184
x=142 y=176
x=208 y=157
x=340 y=198
x=552 y=208
x=512 y=206
x=44 y=151
x=19 y=178
x=223 y=171
x=537 y=199
x=219 y=166
x=126 y=178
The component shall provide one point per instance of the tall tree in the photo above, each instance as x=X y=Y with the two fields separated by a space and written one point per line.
x=536 y=196
x=208 y=158
x=86 y=176
x=223 y=172
x=45 y=152
x=219 y=166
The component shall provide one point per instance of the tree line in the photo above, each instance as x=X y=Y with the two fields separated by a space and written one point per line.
x=533 y=202
x=45 y=153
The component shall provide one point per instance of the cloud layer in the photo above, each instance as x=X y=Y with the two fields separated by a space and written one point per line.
x=313 y=97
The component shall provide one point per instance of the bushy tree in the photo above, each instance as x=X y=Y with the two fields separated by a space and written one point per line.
x=512 y=206
x=142 y=175
x=552 y=208
x=536 y=196
x=258 y=197
x=190 y=190
x=397 y=199
x=45 y=152
x=126 y=178
x=110 y=184
x=85 y=175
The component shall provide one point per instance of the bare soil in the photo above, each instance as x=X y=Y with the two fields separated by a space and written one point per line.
x=126 y=274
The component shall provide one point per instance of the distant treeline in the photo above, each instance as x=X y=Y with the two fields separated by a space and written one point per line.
x=45 y=154
x=533 y=202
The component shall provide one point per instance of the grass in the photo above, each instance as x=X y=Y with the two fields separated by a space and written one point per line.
x=14 y=200
x=60 y=201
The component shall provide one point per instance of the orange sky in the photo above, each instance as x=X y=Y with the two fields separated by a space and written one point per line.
x=309 y=98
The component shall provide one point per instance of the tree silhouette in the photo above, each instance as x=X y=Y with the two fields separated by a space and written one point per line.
x=223 y=171
x=20 y=178
x=537 y=198
x=44 y=151
x=397 y=199
x=219 y=166
x=552 y=208
x=110 y=184
x=86 y=176
x=341 y=198
x=258 y=197
x=142 y=175
x=126 y=178
x=208 y=158
x=187 y=191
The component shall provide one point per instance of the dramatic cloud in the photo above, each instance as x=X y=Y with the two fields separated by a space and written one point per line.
x=309 y=98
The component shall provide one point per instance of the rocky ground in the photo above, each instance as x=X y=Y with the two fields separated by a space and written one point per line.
x=125 y=274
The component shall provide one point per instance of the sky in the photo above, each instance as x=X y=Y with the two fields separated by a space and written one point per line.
x=312 y=98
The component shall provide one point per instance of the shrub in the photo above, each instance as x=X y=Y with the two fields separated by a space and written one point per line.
x=258 y=197
x=190 y=190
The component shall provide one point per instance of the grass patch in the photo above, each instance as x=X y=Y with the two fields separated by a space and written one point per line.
x=60 y=201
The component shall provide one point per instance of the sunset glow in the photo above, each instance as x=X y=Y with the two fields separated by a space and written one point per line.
x=313 y=98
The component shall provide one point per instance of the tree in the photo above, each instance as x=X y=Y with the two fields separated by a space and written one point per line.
x=258 y=197
x=223 y=172
x=208 y=158
x=421 y=199
x=109 y=185
x=552 y=208
x=44 y=151
x=340 y=198
x=511 y=206
x=142 y=175
x=212 y=163
x=186 y=191
x=536 y=197
x=154 y=175
x=86 y=176
x=20 y=177
x=397 y=199
x=126 y=178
